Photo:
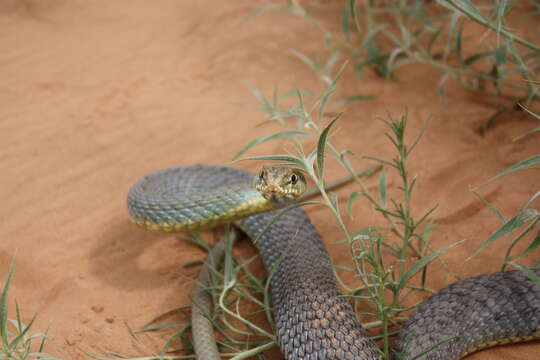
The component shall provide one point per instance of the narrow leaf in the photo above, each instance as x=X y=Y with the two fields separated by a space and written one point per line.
x=505 y=229
x=383 y=188
x=260 y=11
x=260 y=97
x=535 y=160
x=350 y=202
x=441 y=88
x=353 y=98
x=500 y=56
x=532 y=246
x=528 y=133
x=490 y=206
x=20 y=337
x=468 y=8
x=292 y=93
x=382 y=161
x=312 y=64
x=329 y=92
x=354 y=15
x=322 y=145
x=287 y=158
x=346 y=21
x=529 y=273
x=334 y=200
x=266 y=138
x=331 y=62
x=459 y=41
x=4 y=304
x=471 y=59
x=433 y=39
x=419 y=265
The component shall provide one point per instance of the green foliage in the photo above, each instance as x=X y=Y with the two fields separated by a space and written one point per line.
x=16 y=343
x=388 y=35
x=527 y=220
x=386 y=259
x=530 y=132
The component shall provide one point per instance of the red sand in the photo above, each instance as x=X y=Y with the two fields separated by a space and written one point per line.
x=97 y=94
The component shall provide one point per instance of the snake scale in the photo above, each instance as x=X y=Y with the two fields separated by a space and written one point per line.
x=312 y=321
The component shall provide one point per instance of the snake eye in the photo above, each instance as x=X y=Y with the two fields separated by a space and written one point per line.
x=294 y=179
x=262 y=175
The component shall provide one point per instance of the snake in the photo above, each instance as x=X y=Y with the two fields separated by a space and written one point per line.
x=313 y=321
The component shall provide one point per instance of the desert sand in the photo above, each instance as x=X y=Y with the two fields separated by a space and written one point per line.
x=95 y=95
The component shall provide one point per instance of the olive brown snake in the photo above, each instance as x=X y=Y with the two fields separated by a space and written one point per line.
x=312 y=321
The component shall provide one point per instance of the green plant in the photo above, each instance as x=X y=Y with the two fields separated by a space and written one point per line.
x=16 y=343
x=535 y=115
x=526 y=220
x=378 y=276
x=471 y=43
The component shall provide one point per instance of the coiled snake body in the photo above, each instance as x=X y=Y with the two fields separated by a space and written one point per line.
x=312 y=321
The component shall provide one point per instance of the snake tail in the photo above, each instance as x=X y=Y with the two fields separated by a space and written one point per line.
x=473 y=314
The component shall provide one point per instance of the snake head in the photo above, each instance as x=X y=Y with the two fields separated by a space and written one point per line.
x=280 y=185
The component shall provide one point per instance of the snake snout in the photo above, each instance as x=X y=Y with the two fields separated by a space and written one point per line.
x=275 y=194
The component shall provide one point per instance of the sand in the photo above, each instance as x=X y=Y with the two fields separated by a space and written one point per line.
x=95 y=95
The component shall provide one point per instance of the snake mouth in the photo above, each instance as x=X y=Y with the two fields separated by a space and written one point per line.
x=276 y=194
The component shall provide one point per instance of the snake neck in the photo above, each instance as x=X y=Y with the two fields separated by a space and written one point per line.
x=196 y=211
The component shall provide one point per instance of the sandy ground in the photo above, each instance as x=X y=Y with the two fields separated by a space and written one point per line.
x=96 y=94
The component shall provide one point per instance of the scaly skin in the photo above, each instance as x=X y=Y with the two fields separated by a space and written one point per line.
x=312 y=321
